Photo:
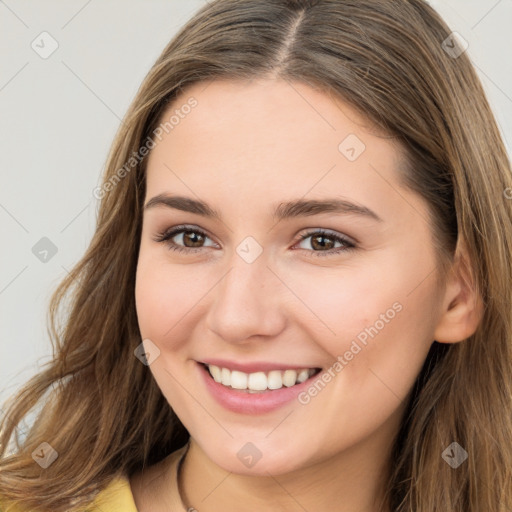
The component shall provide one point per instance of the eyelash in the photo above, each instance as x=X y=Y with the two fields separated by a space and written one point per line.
x=166 y=236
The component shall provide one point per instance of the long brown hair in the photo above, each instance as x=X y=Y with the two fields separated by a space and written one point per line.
x=101 y=409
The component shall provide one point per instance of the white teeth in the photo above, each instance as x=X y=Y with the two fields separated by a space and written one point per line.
x=238 y=380
x=289 y=378
x=259 y=381
x=303 y=375
x=274 y=380
x=225 y=377
x=216 y=373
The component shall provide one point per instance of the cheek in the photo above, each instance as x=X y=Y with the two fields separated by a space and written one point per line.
x=379 y=319
x=339 y=303
x=166 y=296
x=381 y=337
x=154 y=296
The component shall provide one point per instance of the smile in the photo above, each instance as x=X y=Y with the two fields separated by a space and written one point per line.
x=276 y=388
x=258 y=382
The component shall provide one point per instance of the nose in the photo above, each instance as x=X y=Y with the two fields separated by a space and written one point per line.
x=246 y=303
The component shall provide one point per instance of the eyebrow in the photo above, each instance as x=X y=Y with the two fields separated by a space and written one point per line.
x=286 y=210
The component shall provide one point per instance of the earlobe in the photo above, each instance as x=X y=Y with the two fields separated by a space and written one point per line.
x=463 y=307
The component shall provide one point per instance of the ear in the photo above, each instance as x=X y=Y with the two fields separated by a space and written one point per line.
x=462 y=308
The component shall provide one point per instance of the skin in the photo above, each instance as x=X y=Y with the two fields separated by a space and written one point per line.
x=243 y=149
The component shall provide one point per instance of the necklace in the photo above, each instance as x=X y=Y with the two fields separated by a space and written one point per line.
x=178 y=479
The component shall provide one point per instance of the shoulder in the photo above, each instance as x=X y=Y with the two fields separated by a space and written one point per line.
x=116 y=497
x=119 y=495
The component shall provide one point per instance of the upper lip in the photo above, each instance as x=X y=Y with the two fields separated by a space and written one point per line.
x=255 y=366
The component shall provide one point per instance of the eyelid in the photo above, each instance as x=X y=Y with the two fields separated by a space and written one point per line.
x=328 y=232
x=168 y=233
x=349 y=243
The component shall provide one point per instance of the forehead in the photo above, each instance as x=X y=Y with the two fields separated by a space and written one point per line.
x=263 y=139
x=255 y=111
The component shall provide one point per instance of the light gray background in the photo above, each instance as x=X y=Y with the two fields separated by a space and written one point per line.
x=58 y=117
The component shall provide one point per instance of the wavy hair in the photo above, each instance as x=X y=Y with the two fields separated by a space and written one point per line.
x=100 y=409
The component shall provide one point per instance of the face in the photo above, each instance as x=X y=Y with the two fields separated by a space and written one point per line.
x=347 y=288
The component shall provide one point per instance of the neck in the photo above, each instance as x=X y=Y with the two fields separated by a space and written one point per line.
x=354 y=479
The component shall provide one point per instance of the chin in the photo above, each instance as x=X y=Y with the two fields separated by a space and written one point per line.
x=254 y=459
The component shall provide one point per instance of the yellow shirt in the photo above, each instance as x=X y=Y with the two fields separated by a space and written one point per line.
x=118 y=497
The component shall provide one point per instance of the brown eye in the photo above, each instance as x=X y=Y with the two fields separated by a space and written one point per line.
x=192 y=239
x=183 y=238
x=324 y=243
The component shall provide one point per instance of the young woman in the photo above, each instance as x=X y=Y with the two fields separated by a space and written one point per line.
x=298 y=293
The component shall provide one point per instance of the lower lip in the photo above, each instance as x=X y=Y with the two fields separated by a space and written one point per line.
x=251 y=403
